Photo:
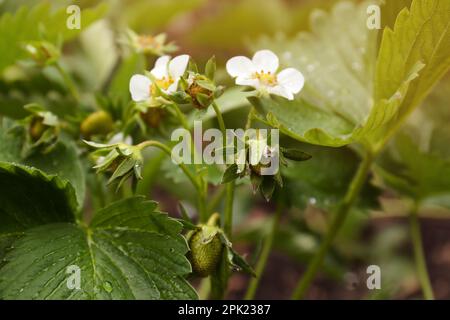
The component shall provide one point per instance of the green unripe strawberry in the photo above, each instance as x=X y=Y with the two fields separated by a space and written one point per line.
x=205 y=254
x=97 y=123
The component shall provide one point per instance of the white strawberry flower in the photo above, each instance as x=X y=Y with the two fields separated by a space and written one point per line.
x=166 y=72
x=261 y=73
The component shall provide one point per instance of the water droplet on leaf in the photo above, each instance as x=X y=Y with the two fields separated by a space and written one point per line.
x=107 y=286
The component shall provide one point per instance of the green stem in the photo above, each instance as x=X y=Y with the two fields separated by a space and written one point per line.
x=263 y=258
x=419 y=255
x=202 y=211
x=68 y=81
x=228 y=215
x=220 y=120
x=250 y=117
x=181 y=117
x=163 y=147
x=216 y=199
x=338 y=219
x=202 y=184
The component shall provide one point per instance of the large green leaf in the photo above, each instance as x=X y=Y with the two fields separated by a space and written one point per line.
x=420 y=35
x=417 y=162
x=29 y=198
x=129 y=251
x=63 y=161
x=322 y=182
x=26 y=23
x=338 y=102
x=337 y=59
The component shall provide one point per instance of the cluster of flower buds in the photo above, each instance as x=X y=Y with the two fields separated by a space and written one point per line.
x=259 y=157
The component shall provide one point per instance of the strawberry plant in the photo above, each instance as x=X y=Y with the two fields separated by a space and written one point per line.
x=140 y=164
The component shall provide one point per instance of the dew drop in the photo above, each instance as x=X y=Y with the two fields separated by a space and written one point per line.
x=107 y=286
x=311 y=67
x=287 y=55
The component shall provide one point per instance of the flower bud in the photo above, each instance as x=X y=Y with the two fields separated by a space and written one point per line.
x=97 y=123
x=201 y=90
x=43 y=53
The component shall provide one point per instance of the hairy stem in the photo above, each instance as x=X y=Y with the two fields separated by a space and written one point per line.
x=220 y=120
x=228 y=216
x=216 y=199
x=338 y=219
x=202 y=190
x=263 y=258
x=166 y=149
x=419 y=255
x=181 y=117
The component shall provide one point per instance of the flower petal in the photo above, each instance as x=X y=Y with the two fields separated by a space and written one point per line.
x=245 y=81
x=140 y=87
x=173 y=87
x=281 y=91
x=240 y=66
x=178 y=65
x=162 y=62
x=160 y=70
x=291 y=79
x=265 y=60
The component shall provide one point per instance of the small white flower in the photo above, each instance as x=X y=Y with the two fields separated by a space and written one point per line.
x=167 y=73
x=257 y=149
x=261 y=73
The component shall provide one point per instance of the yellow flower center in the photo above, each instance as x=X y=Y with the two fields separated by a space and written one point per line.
x=163 y=84
x=268 y=79
x=146 y=41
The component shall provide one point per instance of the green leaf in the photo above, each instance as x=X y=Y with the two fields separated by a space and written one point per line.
x=420 y=35
x=322 y=182
x=338 y=105
x=415 y=174
x=390 y=11
x=210 y=68
x=295 y=154
x=337 y=59
x=239 y=262
x=63 y=161
x=304 y=122
x=29 y=198
x=230 y=174
x=129 y=251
